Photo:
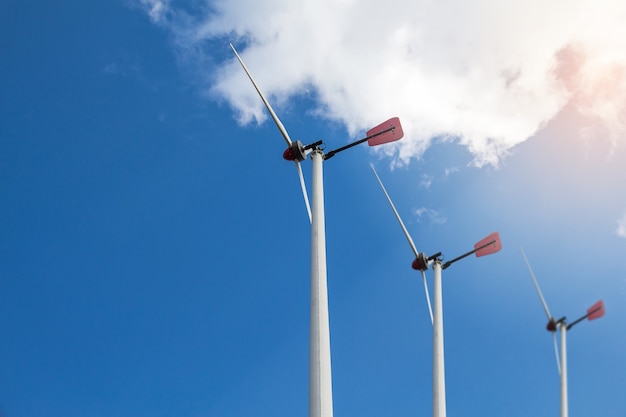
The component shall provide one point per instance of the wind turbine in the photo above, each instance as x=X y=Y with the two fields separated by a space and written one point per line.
x=320 y=379
x=486 y=246
x=594 y=312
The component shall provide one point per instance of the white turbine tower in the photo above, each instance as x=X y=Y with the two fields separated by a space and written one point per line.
x=320 y=380
x=594 y=312
x=486 y=246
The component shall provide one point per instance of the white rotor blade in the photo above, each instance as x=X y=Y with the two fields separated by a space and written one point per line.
x=543 y=301
x=556 y=351
x=279 y=124
x=406 y=233
x=304 y=193
x=430 y=309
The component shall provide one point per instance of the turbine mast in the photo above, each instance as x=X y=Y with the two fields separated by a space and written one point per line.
x=439 y=382
x=563 y=328
x=320 y=383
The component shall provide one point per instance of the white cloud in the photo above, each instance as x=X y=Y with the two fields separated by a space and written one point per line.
x=621 y=227
x=488 y=74
x=433 y=215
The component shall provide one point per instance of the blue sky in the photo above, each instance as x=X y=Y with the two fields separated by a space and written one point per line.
x=154 y=244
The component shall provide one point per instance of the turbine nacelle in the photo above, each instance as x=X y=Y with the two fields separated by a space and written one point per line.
x=553 y=324
x=297 y=153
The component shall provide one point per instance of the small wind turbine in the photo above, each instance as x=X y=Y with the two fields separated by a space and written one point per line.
x=490 y=244
x=320 y=380
x=594 y=312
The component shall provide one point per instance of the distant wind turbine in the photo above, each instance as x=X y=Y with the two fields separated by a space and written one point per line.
x=594 y=312
x=490 y=244
x=320 y=380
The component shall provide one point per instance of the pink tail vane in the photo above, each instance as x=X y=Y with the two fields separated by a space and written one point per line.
x=487 y=246
x=596 y=311
x=388 y=131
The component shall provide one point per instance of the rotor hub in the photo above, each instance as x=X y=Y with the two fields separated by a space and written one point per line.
x=420 y=263
x=295 y=152
x=552 y=325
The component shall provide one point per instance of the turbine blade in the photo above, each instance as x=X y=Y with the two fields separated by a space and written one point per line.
x=406 y=233
x=556 y=351
x=430 y=308
x=279 y=124
x=304 y=193
x=543 y=301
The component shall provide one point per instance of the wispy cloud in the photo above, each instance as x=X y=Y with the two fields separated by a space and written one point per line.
x=112 y=68
x=621 y=227
x=449 y=171
x=432 y=215
x=426 y=181
x=488 y=74
x=156 y=9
